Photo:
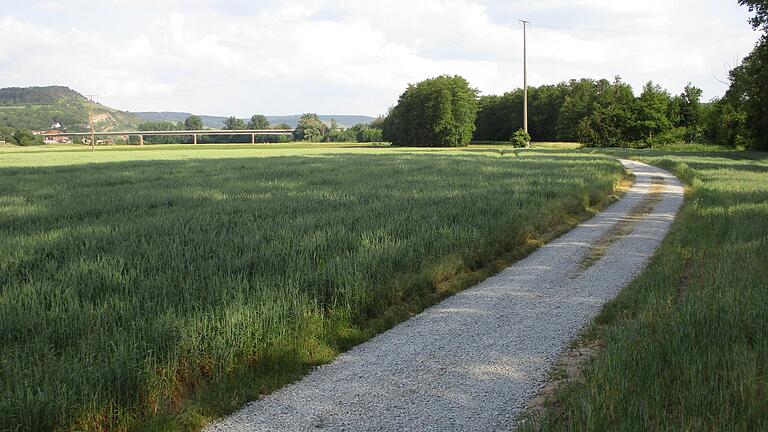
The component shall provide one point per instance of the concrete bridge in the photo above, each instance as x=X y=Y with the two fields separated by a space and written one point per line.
x=193 y=133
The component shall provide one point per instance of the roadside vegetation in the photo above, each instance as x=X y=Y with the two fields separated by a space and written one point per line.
x=684 y=346
x=160 y=294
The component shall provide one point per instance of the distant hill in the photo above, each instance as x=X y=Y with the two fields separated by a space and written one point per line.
x=214 y=122
x=38 y=108
x=217 y=122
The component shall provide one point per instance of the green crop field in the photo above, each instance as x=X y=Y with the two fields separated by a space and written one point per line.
x=685 y=346
x=157 y=288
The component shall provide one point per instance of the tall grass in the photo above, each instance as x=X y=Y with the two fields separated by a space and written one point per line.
x=126 y=289
x=686 y=345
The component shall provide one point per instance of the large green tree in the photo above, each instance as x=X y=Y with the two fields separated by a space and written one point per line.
x=23 y=137
x=234 y=123
x=6 y=134
x=740 y=118
x=438 y=112
x=258 y=121
x=760 y=9
x=612 y=121
x=310 y=128
x=652 y=111
x=749 y=93
x=689 y=112
x=193 y=122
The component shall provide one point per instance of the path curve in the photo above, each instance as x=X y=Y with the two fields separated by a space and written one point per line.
x=473 y=361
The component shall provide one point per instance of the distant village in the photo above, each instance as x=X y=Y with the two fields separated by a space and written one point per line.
x=57 y=128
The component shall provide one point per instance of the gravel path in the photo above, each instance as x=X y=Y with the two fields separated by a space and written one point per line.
x=473 y=361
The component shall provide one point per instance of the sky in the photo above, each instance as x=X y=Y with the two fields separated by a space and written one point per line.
x=275 y=57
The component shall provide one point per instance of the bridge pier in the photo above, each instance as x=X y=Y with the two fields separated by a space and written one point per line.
x=253 y=138
x=141 y=140
x=194 y=138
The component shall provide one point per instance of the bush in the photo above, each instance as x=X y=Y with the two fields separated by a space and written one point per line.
x=6 y=134
x=339 y=135
x=369 y=136
x=672 y=136
x=438 y=112
x=24 y=138
x=521 y=138
x=365 y=133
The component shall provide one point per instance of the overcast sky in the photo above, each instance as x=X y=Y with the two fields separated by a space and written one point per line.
x=275 y=57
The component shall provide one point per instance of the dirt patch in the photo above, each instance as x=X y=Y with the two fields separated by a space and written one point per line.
x=687 y=277
x=567 y=370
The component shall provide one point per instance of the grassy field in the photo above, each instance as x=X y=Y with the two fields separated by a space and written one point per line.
x=161 y=287
x=685 y=347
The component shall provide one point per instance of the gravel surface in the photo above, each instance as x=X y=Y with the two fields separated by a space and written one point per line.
x=473 y=361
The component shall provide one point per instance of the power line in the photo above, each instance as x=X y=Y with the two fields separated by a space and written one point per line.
x=633 y=32
x=471 y=41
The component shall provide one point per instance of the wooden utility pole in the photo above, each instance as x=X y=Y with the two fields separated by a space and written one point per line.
x=90 y=123
x=525 y=76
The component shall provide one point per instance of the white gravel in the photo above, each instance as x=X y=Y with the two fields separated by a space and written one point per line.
x=473 y=361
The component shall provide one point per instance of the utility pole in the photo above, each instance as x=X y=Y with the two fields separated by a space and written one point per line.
x=90 y=122
x=525 y=76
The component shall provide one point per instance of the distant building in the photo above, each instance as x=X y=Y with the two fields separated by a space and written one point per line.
x=53 y=139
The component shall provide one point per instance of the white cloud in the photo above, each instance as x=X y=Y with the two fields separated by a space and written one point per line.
x=49 y=5
x=356 y=56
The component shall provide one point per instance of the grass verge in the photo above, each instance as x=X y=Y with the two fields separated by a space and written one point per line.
x=684 y=347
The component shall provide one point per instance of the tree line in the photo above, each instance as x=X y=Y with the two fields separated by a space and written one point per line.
x=740 y=117
x=310 y=128
x=194 y=122
x=446 y=111
x=599 y=113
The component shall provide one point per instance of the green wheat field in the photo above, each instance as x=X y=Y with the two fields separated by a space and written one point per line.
x=157 y=288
